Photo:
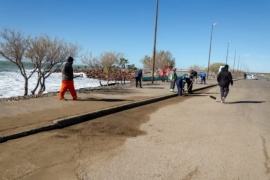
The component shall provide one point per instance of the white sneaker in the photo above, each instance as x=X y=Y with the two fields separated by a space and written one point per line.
x=223 y=100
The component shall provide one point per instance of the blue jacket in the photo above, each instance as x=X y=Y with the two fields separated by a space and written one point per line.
x=202 y=74
x=138 y=73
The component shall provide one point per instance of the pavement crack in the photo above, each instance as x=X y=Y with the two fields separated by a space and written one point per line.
x=267 y=159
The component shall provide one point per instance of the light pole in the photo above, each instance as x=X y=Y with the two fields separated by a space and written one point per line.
x=234 y=61
x=227 y=51
x=154 y=49
x=238 y=63
x=210 y=48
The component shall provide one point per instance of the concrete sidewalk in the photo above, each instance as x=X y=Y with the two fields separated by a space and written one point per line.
x=26 y=117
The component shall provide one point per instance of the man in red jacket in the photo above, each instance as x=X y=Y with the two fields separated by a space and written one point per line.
x=67 y=80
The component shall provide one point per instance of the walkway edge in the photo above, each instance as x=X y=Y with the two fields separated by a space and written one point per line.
x=61 y=123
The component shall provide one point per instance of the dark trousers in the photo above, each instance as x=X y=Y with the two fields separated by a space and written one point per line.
x=172 y=84
x=224 y=91
x=203 y=80
x=138 y=81
x=189 y=86
x=180 y=85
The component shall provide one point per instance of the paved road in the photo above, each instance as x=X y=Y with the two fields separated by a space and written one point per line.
x=191 y=137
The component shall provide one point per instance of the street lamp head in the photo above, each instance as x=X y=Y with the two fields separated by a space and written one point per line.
x=214 y=24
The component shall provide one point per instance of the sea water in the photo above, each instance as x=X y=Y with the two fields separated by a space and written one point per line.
x=12 y=82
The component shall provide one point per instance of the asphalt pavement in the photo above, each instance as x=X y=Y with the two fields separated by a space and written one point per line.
x=26 y=117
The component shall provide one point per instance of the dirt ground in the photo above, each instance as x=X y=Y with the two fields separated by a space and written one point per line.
x=191 y=137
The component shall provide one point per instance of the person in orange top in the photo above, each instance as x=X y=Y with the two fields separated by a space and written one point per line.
x=67 y=80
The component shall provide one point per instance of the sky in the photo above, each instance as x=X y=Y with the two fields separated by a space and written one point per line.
x=241 y=35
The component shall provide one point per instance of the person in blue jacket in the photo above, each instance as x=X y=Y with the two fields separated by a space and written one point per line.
x=138 y=78
x=180 y=83
x=202 y=76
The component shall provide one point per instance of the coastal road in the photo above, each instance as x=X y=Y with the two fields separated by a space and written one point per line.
x=191 y=137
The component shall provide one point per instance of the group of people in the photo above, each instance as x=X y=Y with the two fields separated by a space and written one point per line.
x=181 y=81
x=224 y=79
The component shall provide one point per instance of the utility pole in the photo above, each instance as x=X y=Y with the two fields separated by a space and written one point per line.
x=210 y=49
x=234 y=61
x=227 y=51
x=238 y=64
x=155 y=36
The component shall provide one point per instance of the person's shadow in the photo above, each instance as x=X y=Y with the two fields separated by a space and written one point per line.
x=103 y=99
x=239 y=102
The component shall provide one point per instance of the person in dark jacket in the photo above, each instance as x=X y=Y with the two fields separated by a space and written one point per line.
x=224 y=79
x=245 y=76
x=138 y=78
x=189 y=81
x=195 y=75
x=67 y=80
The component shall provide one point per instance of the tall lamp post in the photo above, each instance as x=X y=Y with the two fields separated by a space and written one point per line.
x=210 y=48
x=154 y=50
x=234 y=61
x=227 y=51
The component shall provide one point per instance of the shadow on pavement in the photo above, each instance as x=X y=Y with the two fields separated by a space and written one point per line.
x=107 y=100
x=238 y=102
x=153 y=87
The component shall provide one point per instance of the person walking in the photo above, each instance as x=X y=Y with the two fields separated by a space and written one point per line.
x=138 y=78
x=224 y=79
x=67 y=80
x=172 y=79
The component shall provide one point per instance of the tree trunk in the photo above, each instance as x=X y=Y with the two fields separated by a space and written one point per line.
x=38 y=82
x=25 y=86
x=100 y=82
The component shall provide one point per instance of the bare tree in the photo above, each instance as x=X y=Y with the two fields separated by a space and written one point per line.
x=163 y=60
x=214 y=67
x=197 y=68
x=123 y=72
x=94 y=63
x=45 y=54
x=108 y=59
x=13 y=49
x=147 y=61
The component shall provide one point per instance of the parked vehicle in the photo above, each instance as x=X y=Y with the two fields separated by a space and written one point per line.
x=252 y=76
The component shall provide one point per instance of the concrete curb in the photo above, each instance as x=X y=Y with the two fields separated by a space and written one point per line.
x=61 y=123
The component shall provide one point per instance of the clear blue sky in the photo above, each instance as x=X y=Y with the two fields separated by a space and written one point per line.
x=127 y=26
